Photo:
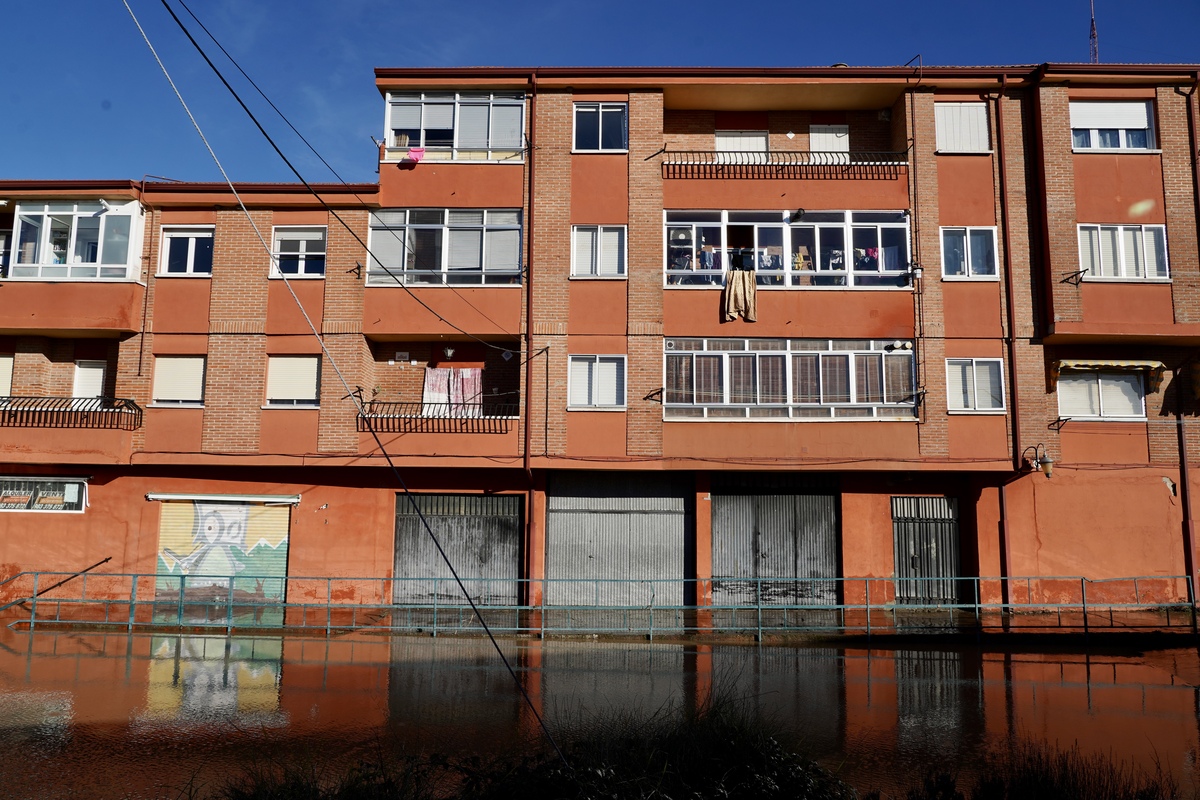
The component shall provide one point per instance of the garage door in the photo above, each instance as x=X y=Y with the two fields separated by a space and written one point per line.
x=618 y=540
x=480 y=534
x=766 y=545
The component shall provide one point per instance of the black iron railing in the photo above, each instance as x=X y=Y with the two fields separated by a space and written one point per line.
x=868 y=165
x=110 y=413
x=438 y=417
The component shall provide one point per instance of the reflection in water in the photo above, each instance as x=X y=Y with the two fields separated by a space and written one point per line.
x=101 y=715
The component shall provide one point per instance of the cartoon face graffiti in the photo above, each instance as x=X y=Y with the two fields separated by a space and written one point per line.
x=217 y=528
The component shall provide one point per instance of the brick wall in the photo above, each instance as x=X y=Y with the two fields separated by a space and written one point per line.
x=1179 y=196
x=341 y=330
x=1058 y=169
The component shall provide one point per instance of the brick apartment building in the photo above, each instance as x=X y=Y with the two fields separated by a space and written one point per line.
x=701 y=325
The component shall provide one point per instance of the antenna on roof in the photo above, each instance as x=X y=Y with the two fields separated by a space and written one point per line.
x=1094 y=43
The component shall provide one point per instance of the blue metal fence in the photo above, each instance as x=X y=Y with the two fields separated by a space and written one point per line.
x=864 y=605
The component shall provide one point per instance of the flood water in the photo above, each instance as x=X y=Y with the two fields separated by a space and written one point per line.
x=101 y=715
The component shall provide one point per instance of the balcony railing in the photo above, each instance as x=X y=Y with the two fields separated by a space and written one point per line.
x=858 y=165
x=109 y=413
x=438 y=417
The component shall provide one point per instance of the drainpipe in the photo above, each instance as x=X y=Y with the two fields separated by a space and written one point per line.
x=1010 y=339
x=1185 y=494
x=528 y=438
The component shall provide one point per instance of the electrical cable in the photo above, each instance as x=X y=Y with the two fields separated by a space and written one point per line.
x=350 y=393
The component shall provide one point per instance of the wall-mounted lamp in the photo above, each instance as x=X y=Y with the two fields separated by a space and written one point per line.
x=449 y=351
x=1036 y=456
x=797 y=215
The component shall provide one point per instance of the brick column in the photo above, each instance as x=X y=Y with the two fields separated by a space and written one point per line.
x=1180 y=202
x=1058 y=169
x=341 y=330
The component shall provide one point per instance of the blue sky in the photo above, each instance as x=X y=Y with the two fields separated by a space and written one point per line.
x=82 y=97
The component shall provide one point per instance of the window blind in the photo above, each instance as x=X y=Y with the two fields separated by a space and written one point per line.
x=506 y=127
x=1078 y=395
x=179 y=379
x=292 y=378
x=961 y=127
x=439 y=116
x=1110 y=114
x=960 y=386
x=503 y=250
x=89 y=379
x=6 y=371
x=466 y=248
x=473 y=127
x=612 y=251
x=829 y=138
x=581 y=381
x=585 y=251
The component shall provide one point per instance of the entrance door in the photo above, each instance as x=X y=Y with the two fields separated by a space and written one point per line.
x=925 y=530
x=480 y=534
x=762 y=544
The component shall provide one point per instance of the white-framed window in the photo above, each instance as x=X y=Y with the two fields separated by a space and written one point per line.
x=445 y=246
x=961 y=127
x=601 y=127
x=1123 y=252
x=187 y=251
x=1101 y=394
x=829 y=138
x=178 y=380
x=1112 y=125
x=596 y=382
x=479 y=126
x=293 y=380
x=969 y=252
x=299 y=250
x=845 y=249
x=598 y=251
x=975 y=384
x=788 y=379
x=89 y=379
x=76 y=240
x=6 y=373
x=37 y=493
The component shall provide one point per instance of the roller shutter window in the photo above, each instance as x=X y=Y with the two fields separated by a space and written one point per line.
x=6 y=371
x=597 y=382
x=293 y=380
x=1112 y=125
x=961 y=127
x=179 y=380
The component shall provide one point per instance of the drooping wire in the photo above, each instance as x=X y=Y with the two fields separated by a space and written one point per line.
x=355 y=395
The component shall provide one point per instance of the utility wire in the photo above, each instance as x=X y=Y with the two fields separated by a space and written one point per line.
x=355 y=395
x=403 y=240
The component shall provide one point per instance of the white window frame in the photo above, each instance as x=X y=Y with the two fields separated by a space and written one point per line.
x=284 y=372
x=499 y=148
x=500 y=261
x=683 y=271
x=837 y=135
x=600 y=107
x=309 y=258
x=742 y=146
x=962 y=127
x=968 y=253
x=43 y=250
x=192 y=233
x=179 y=381
x=1095 y=272
x=976 y=394
x=74 y=492
x=896 y=380
x=601 y=254
x=1085 y=136
x=593 y=403
x=1069 y=376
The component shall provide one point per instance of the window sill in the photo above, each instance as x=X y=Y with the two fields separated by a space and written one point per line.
x=971 y=278
x=160 y=404
x=291 y=406
x=398 y=285
x=1145 y=151
x=298 y=277
x=600 y=152
x=988 y=412
x=205 y=275
x=964 y=152
x=1104 y=420
x=720 y=286
x=596 y=408
x=778 y=420
x=1098 y=279
x=599 y=278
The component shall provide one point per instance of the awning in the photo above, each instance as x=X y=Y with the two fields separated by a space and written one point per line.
x=266 y=499
x=1153 y=368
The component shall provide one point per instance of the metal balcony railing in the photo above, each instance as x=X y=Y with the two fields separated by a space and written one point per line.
x=438 y=417
x=857 y=165
x=109 y=413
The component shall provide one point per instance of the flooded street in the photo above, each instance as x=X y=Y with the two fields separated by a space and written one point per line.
x=102 y=715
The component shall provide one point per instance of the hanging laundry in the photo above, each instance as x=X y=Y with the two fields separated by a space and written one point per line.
x=741 y=295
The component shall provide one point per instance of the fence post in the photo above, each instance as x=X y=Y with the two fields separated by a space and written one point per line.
x=867 y=601
x=651 y=610
x=229 y=609
x=758 y=605
x=328 y=605
x=179 y=602
x=1083 y=594
x=132 y=601
x=435 y=607
x=33 y=602
x=1191 y=589
x=978 y=610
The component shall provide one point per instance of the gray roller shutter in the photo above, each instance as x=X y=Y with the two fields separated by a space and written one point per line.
x=617 y=539
x=481 y=535
x=927 y=549
x=764 y=545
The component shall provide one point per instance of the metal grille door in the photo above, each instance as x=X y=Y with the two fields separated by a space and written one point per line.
x=760 y=538
x=926 y=541
x=616 y=540
x=481 y=535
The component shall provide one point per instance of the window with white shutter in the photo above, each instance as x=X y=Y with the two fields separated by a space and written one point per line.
x=178 y=380
x=974 y=384
x=293 y=380
x=1100 y=394
x=596 y=382
x=300 y=251
x=6 y=371
x=829 y=138
x=961 y=127
x=1123 y=252
x=599 y=251
x=1112 y=125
